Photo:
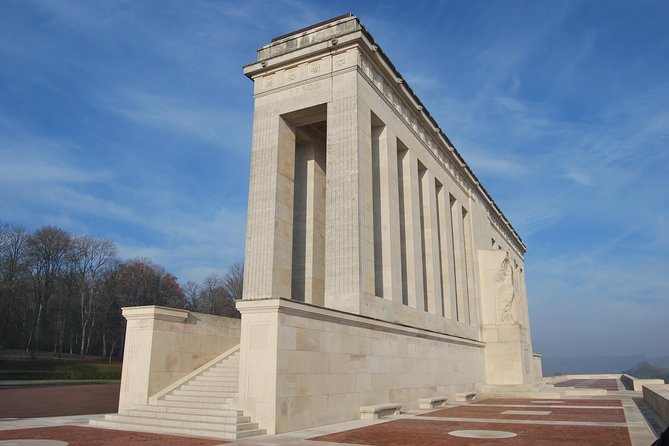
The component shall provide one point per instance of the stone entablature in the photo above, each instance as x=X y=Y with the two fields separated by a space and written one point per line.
x=290 y=63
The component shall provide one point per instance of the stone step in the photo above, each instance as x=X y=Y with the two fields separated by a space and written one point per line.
x=208 y=393
x=176 y=430
x=203 y=416
x=215 y=378
x=211 y=384
x=226 y=365
x=195 y=425
x=221 y=372
x=194 y=404
x=198 y=399
x=229 y=413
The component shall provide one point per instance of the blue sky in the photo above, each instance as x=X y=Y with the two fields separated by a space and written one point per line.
x=131 y=120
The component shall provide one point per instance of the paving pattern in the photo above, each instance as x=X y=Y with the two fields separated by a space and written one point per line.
x=613 y=420
x=551 y=402
x=525 y=421
x=535 y=412
x=86 y=436
x=606 y=384
x=417 y=432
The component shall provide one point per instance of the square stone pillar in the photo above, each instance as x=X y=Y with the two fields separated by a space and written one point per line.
x=412 y=230
x=431 y=245
x=387 y=209
x=269 y=232
x=349 y=236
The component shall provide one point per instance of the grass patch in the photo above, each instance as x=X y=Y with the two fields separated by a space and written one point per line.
x=58 y=369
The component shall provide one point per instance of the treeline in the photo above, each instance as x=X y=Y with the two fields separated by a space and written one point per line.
x=63 y=292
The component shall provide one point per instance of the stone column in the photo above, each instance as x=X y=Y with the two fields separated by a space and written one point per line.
x=412 y=230
x=387 y=211
x=349 y=237
x=269 y=232
x=470 y=267
x=460 y=263
x=432 y=248
x=447 y=257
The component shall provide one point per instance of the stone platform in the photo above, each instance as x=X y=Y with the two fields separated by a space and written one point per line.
x=615 y=419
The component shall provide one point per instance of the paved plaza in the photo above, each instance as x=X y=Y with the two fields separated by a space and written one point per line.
x=614 y=419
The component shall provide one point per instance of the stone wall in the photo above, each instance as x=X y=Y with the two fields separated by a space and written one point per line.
x=304 y=366
x=657 y=397
x=163 y=345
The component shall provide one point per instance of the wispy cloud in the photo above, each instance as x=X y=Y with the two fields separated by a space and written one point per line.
x=217 y=126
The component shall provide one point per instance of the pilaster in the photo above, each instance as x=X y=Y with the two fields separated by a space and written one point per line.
x=432 y=248
x=412 y=231
x=343 y=267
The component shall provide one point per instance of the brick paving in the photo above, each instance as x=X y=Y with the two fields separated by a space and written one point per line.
x=87 y=436
x=556 y=414
x=52 y=401
x=607 y=384
x=571 y=422
x=547 y=402
x=416 y=432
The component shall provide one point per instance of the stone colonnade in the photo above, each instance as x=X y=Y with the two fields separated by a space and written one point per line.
x=372 y=254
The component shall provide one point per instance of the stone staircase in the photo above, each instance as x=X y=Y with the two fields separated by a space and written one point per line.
x=202 y=404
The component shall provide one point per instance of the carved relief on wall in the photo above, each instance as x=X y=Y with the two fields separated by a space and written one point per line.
x=506 y=289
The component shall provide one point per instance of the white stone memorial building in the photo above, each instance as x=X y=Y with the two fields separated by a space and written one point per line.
x=378 y=269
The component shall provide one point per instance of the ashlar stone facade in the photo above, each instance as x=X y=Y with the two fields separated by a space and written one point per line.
x=378 y=269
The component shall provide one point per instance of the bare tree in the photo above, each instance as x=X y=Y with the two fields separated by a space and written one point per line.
x=215 y=297
x=112 y=324
x=13 y=271
x=91 y=256
x=191 y=292
x=234 y=280
x=46 y=251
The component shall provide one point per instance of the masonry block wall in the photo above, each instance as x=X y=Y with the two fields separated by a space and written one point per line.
x=366 y=228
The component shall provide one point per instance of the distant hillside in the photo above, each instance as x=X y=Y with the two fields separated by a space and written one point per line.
x=598 y=364
x=647 y=370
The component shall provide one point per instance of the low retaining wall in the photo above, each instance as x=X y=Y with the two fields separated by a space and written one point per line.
x=657 y=397
x=560 y=378
x=303 y=366
x=636 y=384
x=163 y=345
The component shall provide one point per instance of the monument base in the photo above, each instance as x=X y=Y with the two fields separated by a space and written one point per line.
x=303 y=366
